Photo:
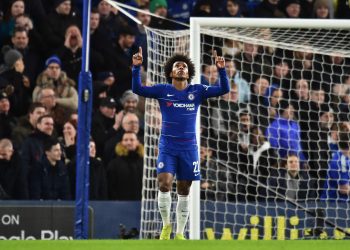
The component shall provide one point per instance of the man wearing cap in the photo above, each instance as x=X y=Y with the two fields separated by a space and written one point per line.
x=64 y=87
x=7 y=122
x=160 y=8
x=129 y=101
x=14 y=82
x=102 y=123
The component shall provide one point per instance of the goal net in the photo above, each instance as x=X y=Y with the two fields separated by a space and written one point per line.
x=271 y=164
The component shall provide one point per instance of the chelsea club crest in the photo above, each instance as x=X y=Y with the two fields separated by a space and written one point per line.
x=191 y=97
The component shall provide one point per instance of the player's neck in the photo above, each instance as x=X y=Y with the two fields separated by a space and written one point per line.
x=180 y=84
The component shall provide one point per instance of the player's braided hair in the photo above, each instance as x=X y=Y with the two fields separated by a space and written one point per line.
x=168 y=66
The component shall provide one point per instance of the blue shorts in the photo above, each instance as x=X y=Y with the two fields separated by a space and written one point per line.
x=184 y=164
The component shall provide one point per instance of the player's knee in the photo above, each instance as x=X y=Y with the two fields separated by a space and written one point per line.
x=165 y=185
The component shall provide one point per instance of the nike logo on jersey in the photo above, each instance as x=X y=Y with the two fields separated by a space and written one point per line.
x=196 y=174
x=168 y=95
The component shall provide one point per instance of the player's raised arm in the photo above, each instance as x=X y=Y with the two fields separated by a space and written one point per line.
x=224 y=87
x=137 y=88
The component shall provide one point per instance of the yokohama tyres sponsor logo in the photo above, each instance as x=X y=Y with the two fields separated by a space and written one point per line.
x=184 y=105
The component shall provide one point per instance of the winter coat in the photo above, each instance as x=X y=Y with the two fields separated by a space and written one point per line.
x=52 y=181
x=124 y=174
x=12 y=178
x=64 y=88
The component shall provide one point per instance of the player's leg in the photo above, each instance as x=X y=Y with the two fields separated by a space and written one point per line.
x=188 y=170
x=182 y=207
x=165 y=170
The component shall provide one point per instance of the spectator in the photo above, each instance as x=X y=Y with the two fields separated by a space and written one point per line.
x=15 y=83
x=7 y=121
x=250 y=62
x=64 y=87
x=281 y=74
x=27 y=124
x=299 y=97
x=102 y=123
x=35 y=40
x=268 y=8
x=130 y=123
x=344 y=106
x=320 y=152
x=284 y=133
x=231 y=48
x=302 y=65
x=235 y=77
x=12 y=176
x=322 y=9
x=57 y=23
x=122 y=54
x=15 y=8
x=180 y=10
x=69 y=140
x=337 y=185
x=70 y=54
x=291 y=8
x=33 y=150
x=98 y=178
x=100 y=41
x=47 y=98
x=31 y=57
x=209 y=74
x=129 y=102
x=331 y=70
x=125 y=171
x=273 y=96
x=343 y=9
x=216 y=183
x=289 y=181
x=110 y=20
x=160 y=8
x=52 y=182
x=233 y=8
x=257 y=100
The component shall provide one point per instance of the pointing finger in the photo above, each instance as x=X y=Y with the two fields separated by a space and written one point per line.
x=140 y=50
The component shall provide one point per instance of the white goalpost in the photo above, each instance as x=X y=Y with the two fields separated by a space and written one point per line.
x=250 y=190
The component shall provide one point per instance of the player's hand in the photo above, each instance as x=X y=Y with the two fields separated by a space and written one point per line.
x=137 y=58
x=219 y=60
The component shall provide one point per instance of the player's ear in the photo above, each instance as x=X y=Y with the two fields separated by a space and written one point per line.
x=171 y=74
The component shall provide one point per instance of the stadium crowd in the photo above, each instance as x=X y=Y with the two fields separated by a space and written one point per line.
x=279 y=125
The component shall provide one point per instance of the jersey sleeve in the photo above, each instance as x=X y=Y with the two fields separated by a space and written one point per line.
x=147 y=91
x=217 y=89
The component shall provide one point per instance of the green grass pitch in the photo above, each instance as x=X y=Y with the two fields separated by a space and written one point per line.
x=175 y=245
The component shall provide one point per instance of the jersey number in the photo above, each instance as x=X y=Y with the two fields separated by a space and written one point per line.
x=196 y=167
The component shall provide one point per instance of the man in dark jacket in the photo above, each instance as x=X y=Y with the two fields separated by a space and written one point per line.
x=124 y=173
x=27 y=124
x=32 y=149
x=53 y=181
x=12 y=179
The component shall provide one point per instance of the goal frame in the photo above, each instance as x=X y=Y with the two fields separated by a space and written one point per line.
x=195 y=30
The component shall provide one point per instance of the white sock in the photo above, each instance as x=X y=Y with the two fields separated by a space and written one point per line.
x=182 y=212
x=164 y=206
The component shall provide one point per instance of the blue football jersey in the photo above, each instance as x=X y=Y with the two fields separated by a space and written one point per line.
x=179 y=108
